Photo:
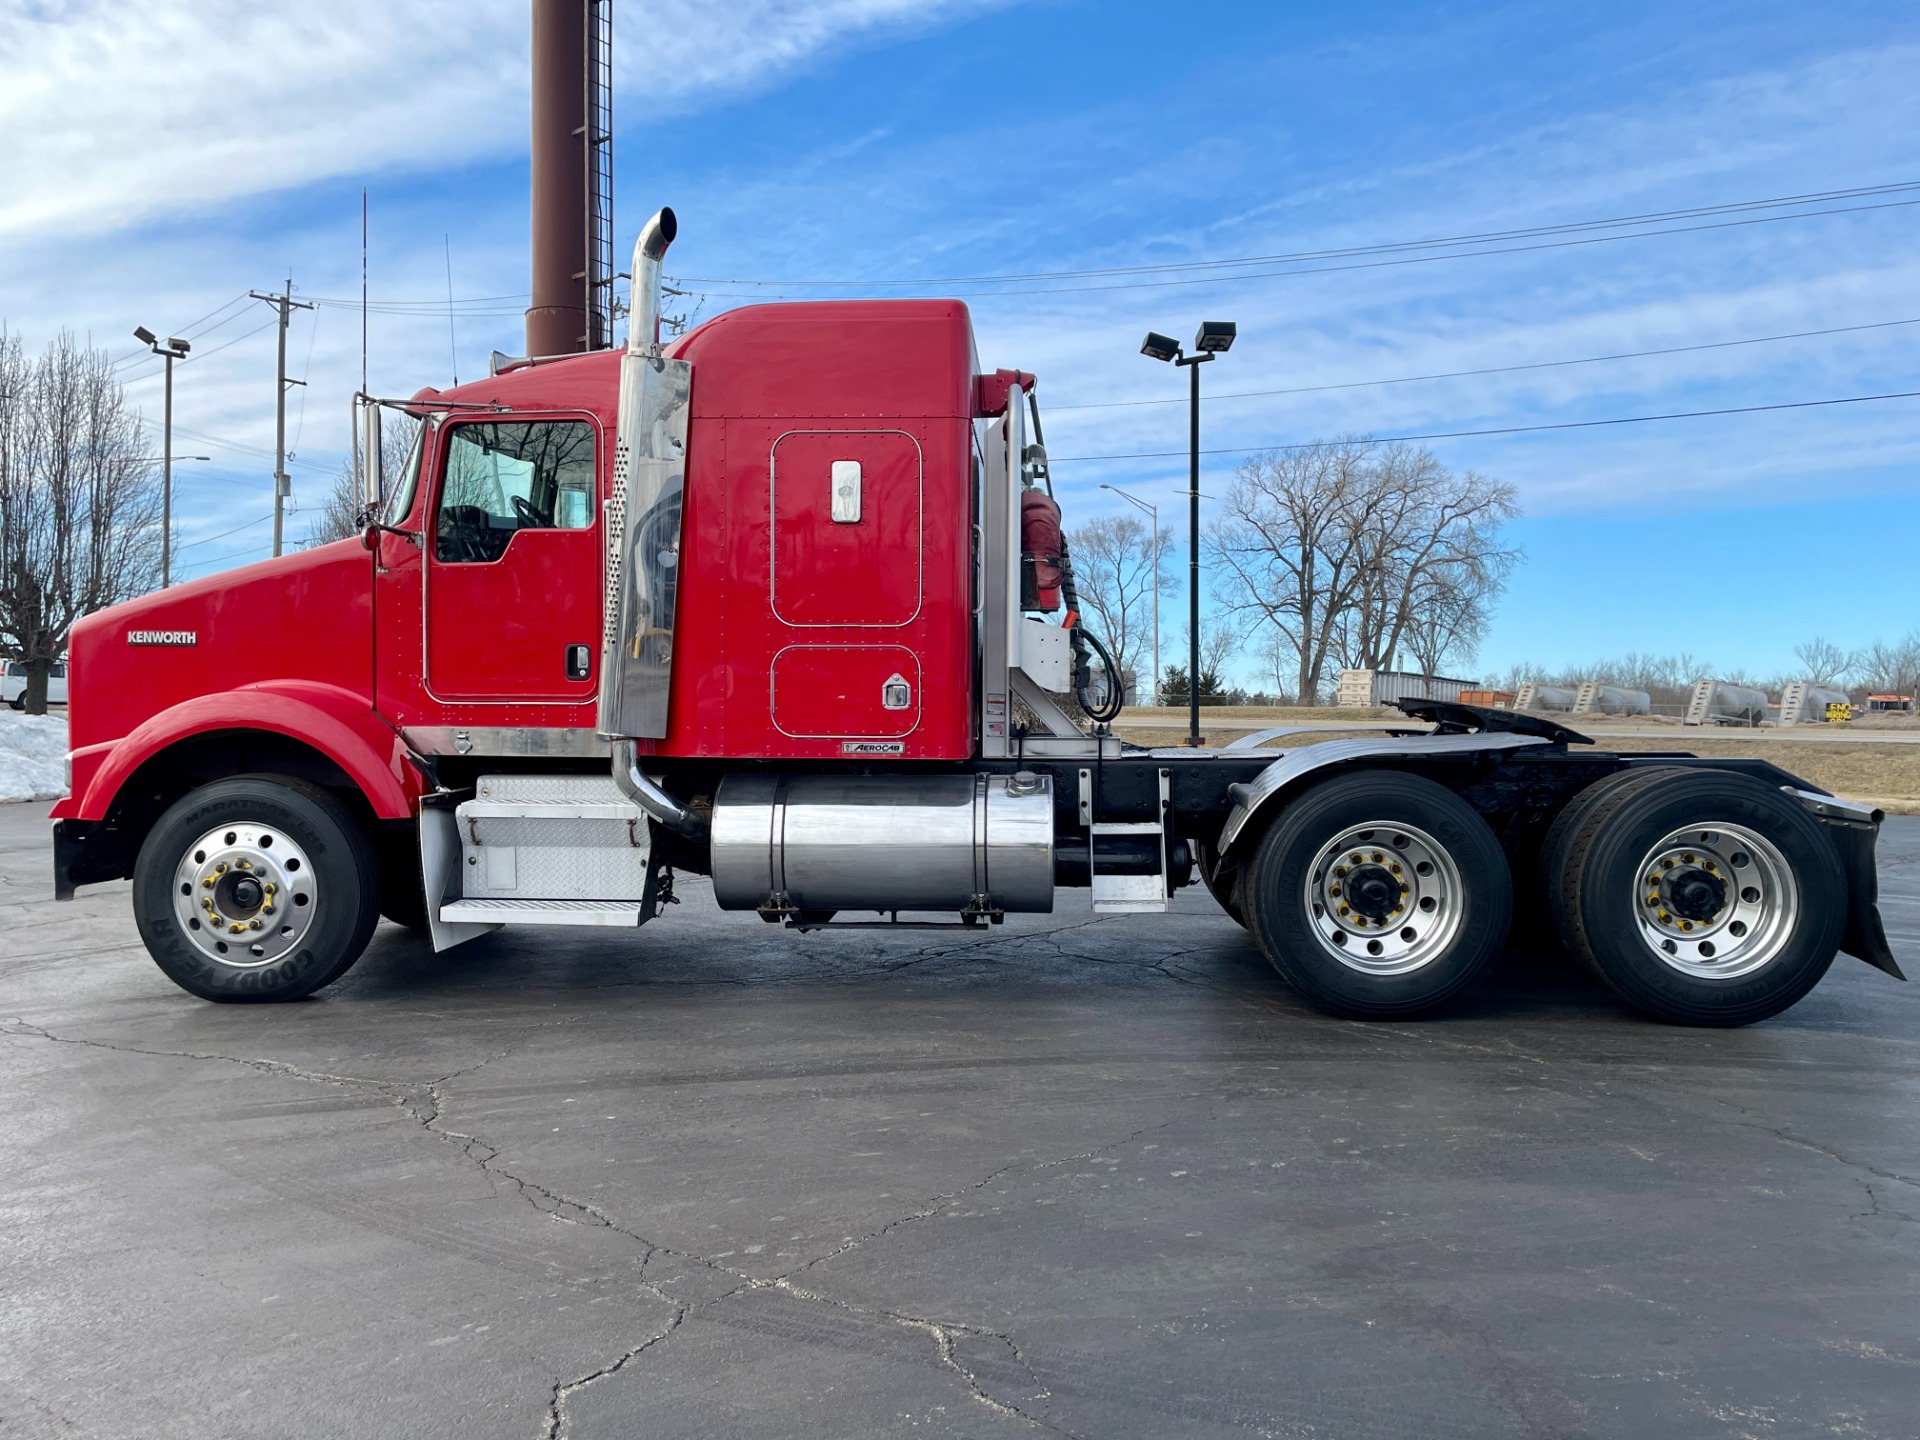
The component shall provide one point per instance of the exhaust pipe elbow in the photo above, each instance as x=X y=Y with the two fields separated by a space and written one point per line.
x=651 y=798
x=643 y=324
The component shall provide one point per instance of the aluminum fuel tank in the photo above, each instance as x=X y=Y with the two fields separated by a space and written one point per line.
x=884 y=842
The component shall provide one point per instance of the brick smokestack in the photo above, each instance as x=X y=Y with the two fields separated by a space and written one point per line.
x=557 y=319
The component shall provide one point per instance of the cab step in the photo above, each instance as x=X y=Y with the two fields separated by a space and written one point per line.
x=540 y=912
x=1133 y=894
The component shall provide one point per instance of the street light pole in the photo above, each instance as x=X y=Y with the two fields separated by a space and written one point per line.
x=169 y=352
x=1215 y=337
x=1153 y=514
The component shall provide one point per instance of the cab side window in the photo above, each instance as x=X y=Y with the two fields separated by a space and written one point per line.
x=501 y=478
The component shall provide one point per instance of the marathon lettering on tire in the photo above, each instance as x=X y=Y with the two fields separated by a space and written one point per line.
x=873 y=747
x=163 y=637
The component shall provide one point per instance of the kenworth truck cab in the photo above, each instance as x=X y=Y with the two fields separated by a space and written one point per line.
x=783 y=603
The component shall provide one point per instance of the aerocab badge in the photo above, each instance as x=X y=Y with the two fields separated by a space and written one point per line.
x=163 y=637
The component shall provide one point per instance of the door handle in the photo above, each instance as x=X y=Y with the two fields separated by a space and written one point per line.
x=579 y=662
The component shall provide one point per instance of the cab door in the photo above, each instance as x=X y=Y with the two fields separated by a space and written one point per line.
x=513 y=587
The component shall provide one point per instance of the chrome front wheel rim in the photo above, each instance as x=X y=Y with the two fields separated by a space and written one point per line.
x=1384 y=898
x=244 y=895
x=1715 y=901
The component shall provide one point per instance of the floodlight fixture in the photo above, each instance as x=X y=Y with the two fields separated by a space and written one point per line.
x=1214 y=337
x=181 y=347
x=1160 y=347
x=144 y=335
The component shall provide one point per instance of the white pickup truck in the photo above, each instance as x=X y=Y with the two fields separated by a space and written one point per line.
x=13 y=684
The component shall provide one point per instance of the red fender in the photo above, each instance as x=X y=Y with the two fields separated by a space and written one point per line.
x=336 y=722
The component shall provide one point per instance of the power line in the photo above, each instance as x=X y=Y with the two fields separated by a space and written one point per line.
x=437 y=304
x=1490 y=369
x=1511 y=429
x=185 y=332
x=1361 y=265
x=203 y=354
x=252 y=450
x=225 y=533
x=1347 y=252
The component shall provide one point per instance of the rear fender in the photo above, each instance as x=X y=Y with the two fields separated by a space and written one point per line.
x=338 y=723
x=1257 y=801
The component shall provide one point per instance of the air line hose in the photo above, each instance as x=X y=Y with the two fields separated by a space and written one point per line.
x=1085 y=641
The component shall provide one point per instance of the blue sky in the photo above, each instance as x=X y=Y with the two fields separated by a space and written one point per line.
x=162 y=169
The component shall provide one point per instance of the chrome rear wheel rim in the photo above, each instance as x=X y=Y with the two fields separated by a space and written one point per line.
x=244 y=895
x=1715 y=901
x=1384 y=898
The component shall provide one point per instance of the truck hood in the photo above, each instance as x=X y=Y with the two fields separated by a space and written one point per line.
x=306 y=616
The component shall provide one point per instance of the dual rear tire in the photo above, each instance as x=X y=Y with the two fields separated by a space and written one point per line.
x=1700 y=896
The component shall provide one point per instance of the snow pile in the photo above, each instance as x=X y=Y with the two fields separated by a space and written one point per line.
x=33 y=751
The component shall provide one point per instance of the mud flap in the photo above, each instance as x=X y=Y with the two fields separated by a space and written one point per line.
x=440 y=872
x=1865 y=937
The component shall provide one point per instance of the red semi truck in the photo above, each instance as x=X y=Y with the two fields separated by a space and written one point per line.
x=775 y=603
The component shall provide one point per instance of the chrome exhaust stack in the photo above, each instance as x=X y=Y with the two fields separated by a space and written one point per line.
x=643 y=324
x=643 y=511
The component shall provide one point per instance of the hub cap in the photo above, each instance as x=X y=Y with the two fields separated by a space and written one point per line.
x=1716 y=901
x=244 y=895
x=1384 y=899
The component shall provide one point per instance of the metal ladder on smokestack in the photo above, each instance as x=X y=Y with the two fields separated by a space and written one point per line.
x=598 y=138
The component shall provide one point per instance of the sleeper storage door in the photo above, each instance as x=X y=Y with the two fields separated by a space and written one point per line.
x=513 y=589
x=847 y=585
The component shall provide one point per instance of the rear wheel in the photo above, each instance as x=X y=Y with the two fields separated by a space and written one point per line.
x=1557 y=878
x=1702 y=897
x=256 y=888
x=1378 y=894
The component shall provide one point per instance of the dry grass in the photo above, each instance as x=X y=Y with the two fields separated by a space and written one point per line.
x=1884 y=775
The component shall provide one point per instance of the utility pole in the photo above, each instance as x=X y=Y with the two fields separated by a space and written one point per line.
x=285 y=304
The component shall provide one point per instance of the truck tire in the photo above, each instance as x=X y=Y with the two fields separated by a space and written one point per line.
x=1703 y=897
x=1557 y=879
x=1378 y=894
x=256 y=888
x=1224 y=887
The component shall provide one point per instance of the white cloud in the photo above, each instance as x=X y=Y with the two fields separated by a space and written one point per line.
x=118 y=111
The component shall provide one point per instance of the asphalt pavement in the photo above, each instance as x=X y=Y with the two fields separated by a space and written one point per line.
x=1092 y=1177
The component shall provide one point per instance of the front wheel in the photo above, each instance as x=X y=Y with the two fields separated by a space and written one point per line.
x=256 y=888
x=1379 y=894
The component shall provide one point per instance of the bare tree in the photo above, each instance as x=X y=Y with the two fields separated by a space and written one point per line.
x=79 y=501
x=1352 y=550
x=1891 y=669
x=1116 y=577
x=1220 y=642
x=341 y=509
x=1823 y=662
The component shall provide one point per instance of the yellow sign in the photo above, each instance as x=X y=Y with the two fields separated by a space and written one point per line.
x=1839 y=714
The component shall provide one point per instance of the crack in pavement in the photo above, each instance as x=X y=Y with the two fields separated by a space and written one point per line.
x=425 y=1102
x=1786 y=1137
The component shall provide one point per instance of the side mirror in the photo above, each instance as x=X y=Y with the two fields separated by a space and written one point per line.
x=367 y=442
